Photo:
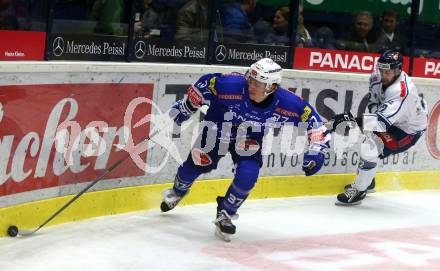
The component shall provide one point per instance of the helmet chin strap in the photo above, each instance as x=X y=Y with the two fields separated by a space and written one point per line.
x=269 y=91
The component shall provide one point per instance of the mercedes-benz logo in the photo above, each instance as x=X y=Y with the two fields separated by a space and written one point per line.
x=139 y=49
x=220 y=53
x=58 y=46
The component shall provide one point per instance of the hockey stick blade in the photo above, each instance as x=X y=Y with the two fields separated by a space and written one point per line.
x=26 y=233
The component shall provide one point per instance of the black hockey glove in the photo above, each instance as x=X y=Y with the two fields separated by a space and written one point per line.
x=348 y=120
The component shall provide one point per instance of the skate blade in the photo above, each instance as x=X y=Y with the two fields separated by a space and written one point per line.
x=371 y=191
x=338 y=203
x=223 y=236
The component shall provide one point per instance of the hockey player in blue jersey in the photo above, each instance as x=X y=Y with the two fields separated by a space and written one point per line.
x=236 y=101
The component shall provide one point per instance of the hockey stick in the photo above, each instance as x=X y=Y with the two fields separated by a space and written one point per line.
x=14 y=231
x=99 y=178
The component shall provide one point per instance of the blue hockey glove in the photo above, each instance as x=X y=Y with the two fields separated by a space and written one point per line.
x=181 y=111
x=312 y=163
x=314 y=159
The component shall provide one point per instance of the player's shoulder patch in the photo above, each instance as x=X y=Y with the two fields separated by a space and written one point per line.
x=212 y=85
x=208 y=82
x=306 y=114
x=374 y=79
x=403 y=89
x=398 y=89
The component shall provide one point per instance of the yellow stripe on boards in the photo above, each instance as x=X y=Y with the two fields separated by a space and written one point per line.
x=122 y=200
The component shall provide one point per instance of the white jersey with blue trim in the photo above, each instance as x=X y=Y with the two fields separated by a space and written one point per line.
x=399 y=104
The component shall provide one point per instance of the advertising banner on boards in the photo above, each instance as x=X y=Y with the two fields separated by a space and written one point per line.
x=329 y=97
x=62 y=134
x=245 y=54
x=157 y=50
x=86 y=47
x=427 y=67
x=22 y=45
x=346 y=61
x=33 y=107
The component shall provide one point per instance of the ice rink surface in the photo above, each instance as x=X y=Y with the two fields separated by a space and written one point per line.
x=388 y=231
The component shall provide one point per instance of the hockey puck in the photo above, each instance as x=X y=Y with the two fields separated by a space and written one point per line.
x=12 y=231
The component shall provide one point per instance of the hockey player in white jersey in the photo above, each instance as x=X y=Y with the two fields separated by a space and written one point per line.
x=397 y=118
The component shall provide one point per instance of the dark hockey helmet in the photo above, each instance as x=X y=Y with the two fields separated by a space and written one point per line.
x=390 y=60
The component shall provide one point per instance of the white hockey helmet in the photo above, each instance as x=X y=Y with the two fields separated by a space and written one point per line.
x=265 y=71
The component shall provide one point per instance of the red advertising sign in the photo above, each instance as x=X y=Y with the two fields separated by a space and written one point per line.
x=336 y=60
x=426 y=67
x=432 y=132
x=22 y=45
x=35 y=153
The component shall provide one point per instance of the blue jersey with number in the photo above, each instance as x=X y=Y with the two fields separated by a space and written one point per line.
x=228 y=99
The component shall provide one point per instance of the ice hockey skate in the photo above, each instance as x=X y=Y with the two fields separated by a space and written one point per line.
x=170 y=199
x=370 y=189
x=224 y=228
x=351 y=196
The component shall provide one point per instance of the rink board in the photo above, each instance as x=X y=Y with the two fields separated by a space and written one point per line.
x=129 y=199
x=34 y=182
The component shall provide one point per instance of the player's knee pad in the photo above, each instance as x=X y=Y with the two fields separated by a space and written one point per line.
x=201 y=162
